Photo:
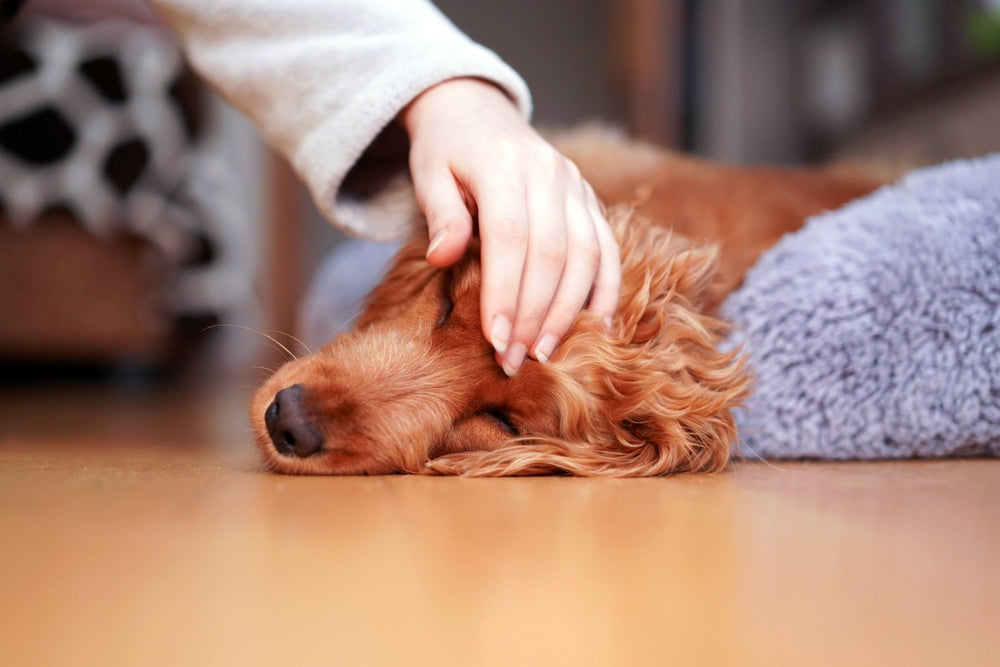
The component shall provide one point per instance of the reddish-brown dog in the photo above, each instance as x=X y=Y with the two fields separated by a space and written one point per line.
x=416 y=387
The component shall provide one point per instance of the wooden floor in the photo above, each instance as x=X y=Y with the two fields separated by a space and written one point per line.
x=135 y=529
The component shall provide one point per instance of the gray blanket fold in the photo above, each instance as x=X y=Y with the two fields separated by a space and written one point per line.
x=874 y=332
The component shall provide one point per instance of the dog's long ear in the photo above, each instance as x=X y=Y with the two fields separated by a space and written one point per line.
x=672 y=387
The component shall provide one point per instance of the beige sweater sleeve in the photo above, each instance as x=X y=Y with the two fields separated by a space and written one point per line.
x=324 y=80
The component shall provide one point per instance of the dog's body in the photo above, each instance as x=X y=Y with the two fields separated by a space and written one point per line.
x=744 y=211
x=416 y=388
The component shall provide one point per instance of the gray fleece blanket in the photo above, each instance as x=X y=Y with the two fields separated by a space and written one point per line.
x=874 y=332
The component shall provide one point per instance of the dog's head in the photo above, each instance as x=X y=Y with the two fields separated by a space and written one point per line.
x=416 y=387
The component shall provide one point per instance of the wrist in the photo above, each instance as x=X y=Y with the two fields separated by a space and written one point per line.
x=461 y=93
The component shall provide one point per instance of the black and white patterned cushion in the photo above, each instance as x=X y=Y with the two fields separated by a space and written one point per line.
x=95 y=120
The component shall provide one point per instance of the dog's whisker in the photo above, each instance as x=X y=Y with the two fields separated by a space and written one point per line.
x=295 y=339
x=266 y=335
x=348 y=324
x=758 y=456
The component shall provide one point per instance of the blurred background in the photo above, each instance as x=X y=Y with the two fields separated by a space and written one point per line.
x=137 y=211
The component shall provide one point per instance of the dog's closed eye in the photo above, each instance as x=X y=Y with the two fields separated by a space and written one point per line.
x=447 y=306
x=487 y=429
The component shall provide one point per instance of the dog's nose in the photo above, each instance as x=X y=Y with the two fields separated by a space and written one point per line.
x=289 y=426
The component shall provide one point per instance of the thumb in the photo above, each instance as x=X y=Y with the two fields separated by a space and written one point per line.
x=449 y=223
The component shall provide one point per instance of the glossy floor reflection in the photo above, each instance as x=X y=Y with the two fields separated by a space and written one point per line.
x=139 y=530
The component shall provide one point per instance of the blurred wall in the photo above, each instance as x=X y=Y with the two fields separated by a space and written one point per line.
x=744 y=69
x=562 y=48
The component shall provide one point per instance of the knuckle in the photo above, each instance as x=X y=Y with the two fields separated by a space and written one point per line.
x=551 y=255
x=561 y=316
x=609 y=252
x=584 y=232
x=529 y=324
x=506 y=153
x=564 y=310
x=549 y=158
x=572 y=169
x=508 y=233
x=589 y=255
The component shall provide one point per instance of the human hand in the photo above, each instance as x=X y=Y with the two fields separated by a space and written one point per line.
x=546 y=246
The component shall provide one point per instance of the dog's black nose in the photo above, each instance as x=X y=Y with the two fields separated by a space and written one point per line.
x=289 y=426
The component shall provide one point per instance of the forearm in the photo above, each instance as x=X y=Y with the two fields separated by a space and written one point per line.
x=322 y=78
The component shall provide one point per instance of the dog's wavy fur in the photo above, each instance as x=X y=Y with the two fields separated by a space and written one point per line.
x=416 y=388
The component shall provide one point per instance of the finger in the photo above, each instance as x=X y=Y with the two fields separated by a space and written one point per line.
x=503 y=233
x=582 y=261
x=607 y=283
x=543 y=269
x=449 y=223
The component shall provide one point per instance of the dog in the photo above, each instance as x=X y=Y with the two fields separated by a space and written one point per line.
x=415 y=387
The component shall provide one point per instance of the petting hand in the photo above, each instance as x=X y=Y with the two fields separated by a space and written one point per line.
x=546 y=246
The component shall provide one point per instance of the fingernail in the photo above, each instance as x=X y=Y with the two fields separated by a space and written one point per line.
x=544 y=348
x=436 y=240
x=514 y=358
x=608 y=322
x=500 y=334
